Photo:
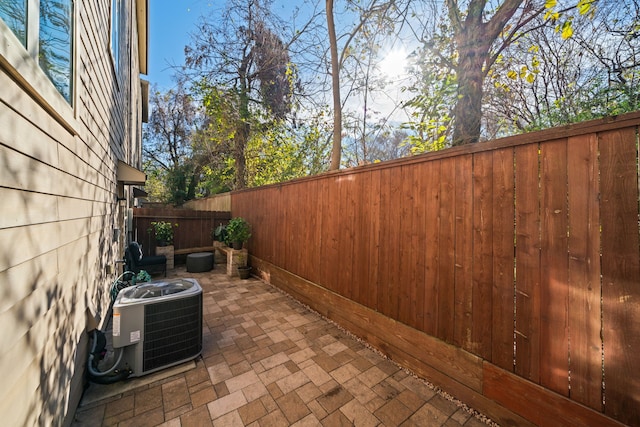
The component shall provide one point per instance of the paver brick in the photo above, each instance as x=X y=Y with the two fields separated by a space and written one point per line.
x=226 y=404
x=202 y=397
x=393 y=413
x=334 y=399
x=252 y=411
x=292 y=381
x=293 y=407
x=359 y=415
x=196 y=418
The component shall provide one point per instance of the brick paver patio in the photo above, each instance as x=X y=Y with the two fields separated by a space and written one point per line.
x=269 y=361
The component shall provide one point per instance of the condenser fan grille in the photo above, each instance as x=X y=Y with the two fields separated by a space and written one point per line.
x=172 y=331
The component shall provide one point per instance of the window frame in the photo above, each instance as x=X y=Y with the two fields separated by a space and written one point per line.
x=115 y=37
x=21 y=62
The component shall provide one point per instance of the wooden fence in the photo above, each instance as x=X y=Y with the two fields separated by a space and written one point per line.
x=193 y=230
x=506 y=272
x=217 y=202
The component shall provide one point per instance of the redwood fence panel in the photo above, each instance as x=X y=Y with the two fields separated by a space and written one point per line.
x=193 y=230
x=502 y=249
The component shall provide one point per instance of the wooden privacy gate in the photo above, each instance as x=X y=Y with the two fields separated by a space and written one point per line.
x=506 y=272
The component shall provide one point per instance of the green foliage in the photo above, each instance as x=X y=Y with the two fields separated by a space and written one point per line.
x=278 y=154
x=141 y=277
x=169 y=158
x=219 y=233
x=163 y=232
x=435 y=95
x=545 y=80
x=238 y=230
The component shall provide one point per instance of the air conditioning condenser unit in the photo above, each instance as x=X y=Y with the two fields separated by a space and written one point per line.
x=158 y=325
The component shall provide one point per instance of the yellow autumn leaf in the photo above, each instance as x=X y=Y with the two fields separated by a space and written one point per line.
x=550 y=4
x=531 y=77
x=584 y=6
x=567 y=30
x=512 y=75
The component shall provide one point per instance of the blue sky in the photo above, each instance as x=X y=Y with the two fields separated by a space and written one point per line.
x=170 y=22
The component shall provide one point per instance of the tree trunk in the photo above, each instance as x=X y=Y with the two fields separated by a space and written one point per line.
x=240 y=145
x=336 y=151
x=243 y=128
x=468 y=109
x=474 y=38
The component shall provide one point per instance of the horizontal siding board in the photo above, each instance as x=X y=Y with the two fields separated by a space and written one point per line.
x=22 y=208
x=12 y=102
x=21 y=135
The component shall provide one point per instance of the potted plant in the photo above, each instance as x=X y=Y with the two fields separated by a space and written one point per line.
x=238 y=232
x=163 y=231
x=244 y=270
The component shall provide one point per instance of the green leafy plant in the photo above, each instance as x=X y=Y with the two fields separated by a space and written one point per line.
x=219 y=233
x=163 y=231
x=238 y=230
x=142 y=276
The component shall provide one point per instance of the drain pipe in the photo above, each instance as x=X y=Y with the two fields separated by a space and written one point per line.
x=104 y=377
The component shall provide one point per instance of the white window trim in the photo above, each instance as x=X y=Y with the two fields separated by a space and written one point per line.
x=22 y=64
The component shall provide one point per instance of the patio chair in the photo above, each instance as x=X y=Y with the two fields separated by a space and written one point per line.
x=136 y=261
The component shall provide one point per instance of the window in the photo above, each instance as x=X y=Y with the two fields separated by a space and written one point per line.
x=14 y=14
x=56 y=43
x=50 y=37
x=116 y=12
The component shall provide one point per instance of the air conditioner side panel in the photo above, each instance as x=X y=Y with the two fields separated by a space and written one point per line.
x=128 y=325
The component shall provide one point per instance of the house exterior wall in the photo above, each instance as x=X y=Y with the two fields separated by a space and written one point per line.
x=61 y=225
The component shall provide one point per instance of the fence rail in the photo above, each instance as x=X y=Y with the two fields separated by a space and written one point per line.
x=524 y=252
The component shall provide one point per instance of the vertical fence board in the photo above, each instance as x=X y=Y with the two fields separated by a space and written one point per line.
x=347 y=220
x=527 y=263
x=397 y=237
x=361 y=249
x=373 y=283
x=387 y=239
x=313 y=227
x=554 y=291
x=620 y=273
x=446 y=249
x=274 y=222
x=334 y=234
x=285 y=252
x=482 y=255
x=418 y=246
x=406 y=281
x=584 y=271
x=502 y=320
x=463 y=255
x=432 y=251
